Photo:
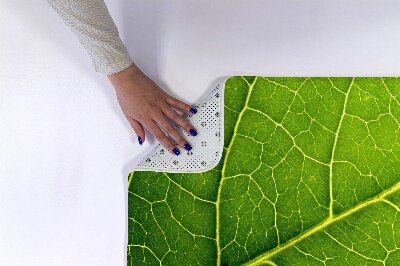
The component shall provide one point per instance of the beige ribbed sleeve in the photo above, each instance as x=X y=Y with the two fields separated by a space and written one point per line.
x=91 y=21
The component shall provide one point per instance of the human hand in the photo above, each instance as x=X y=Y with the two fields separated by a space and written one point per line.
x=144 y=103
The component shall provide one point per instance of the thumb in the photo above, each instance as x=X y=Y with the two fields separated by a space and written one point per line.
x=138 y=128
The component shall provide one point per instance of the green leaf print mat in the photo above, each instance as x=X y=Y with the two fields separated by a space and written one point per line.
x=309 y=175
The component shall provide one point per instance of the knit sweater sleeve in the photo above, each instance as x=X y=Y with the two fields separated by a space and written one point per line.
x=91 y=21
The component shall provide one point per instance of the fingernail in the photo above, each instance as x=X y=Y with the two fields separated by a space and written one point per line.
x=194 y=111
x=140 y=140
x=187 y=147
x=176 y=151
x=193 y=132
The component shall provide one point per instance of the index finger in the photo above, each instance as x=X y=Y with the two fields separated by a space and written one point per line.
x=180 y=104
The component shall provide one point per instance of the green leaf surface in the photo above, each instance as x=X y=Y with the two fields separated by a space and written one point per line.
x=309 y=175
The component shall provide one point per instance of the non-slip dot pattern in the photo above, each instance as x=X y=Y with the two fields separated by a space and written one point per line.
x=206 y=146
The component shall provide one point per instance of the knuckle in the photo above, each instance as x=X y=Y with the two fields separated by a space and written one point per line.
x=149 y=125
x=149 y=111
x=169 y=130
x=158 y=134
x=142 y=116
x=175 y=115
x=173 y=100
x=180 y=119
x=182 y=105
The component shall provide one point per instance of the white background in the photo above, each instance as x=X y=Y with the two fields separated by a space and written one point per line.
x=65 y=147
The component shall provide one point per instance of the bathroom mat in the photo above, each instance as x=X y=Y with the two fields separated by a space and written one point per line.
x=304 y=171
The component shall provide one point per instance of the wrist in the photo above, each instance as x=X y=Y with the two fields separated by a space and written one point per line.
x=120 y=78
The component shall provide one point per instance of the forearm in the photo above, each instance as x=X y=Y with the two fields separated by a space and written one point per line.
x=91 y=21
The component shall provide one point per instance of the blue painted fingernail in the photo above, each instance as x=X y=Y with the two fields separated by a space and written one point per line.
x=194 y=111
x=187 y=147
x=176 y=151
x=140 y=140
x=193 y=132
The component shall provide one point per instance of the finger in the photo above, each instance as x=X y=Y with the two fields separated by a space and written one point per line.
x=138 y=128
x=180 y=120
x=172 y=132
x=161 y=137
x=180 y=105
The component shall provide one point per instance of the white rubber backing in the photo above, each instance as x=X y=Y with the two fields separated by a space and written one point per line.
x=207 y=145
